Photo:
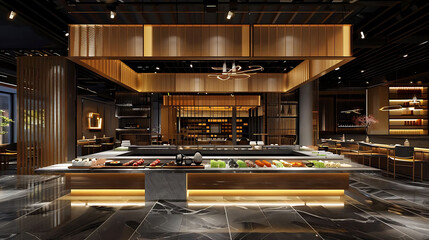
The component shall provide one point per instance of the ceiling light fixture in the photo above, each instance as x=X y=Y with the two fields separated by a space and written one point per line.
x=112 y=14
x=12 y=15
x=339 y=77
x=405 y=55
x=235 y=72
x=336 y=69
x=157 y=68
x=362 y=35
x=367 y=82
x=229 y=15
x=66 y=34
x=362 y=71
x=423 y=43
x=190 y=65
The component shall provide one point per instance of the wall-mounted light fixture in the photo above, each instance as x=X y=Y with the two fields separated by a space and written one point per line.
x=94 y=121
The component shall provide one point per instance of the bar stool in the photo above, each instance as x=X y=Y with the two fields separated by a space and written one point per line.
x=402 y=155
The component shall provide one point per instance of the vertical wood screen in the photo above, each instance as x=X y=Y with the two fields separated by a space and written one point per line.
x=159 y=40
x=46 y=112
x=200 y=82
x=302 y=40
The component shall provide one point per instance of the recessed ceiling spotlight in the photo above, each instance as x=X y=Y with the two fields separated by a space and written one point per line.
x=284 y=61
x=157 y=68
x=336 y=69
x=284 y=69
x=423 y=43
x=362 y=71
x=139 y=66
x=339 y=82
x=367 y=82
x=12 y=15
x=405 y=55
x=339 y=77
x=229 y=15
x=362 y=35
x=155 y=72
x=112 y=14
x=190 y=65
x=411 y=82
x=66 y=34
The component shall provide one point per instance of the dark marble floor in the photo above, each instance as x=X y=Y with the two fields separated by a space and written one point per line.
x=375 y=207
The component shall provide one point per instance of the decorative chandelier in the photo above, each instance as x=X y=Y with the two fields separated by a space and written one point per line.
x=235 y=72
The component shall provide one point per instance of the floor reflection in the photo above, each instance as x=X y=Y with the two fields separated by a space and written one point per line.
x=38 y=207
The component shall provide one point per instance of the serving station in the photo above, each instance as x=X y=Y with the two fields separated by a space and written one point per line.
x=210 y=171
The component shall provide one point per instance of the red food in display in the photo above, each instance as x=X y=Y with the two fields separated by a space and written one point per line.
x=154 y=163
x=130 y=163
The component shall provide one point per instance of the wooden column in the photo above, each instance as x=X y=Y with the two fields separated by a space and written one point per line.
x=46 y=88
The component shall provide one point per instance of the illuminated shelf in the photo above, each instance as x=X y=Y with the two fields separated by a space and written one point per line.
x=408 y=121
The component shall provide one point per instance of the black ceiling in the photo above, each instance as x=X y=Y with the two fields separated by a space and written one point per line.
x=392 y=29
x=205 y=66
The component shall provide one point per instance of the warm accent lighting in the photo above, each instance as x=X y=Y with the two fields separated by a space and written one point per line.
x=12 y=15
x=107 y=192
x=108 y=204
x=391 y=108
x=229 y=15
x=235 y=72
x=94 y=121
x=265 y=192
x=112 y=14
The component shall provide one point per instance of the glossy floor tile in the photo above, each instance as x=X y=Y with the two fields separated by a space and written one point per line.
x=375 y=207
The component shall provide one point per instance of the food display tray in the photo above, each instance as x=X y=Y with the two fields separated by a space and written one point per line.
x=136 y=167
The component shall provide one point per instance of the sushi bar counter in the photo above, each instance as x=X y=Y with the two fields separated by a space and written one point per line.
x=182 y=177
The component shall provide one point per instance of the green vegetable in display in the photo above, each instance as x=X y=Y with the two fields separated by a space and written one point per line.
x=214 y=164
x=278 y=164
x=241 y=164
x=221 y=164
x=318 y=164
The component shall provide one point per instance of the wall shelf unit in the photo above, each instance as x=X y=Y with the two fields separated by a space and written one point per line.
x=412 y=118
x=133 y=112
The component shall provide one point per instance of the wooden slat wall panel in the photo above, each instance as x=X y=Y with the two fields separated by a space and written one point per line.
x=302 y=40
x=212 y=100
x=45 y=107
x=200 y=82
x=89 y=40
x=311 y=69
x=114 y=70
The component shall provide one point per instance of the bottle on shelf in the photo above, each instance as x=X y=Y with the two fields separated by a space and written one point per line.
x=343 y=138
x=367 y=139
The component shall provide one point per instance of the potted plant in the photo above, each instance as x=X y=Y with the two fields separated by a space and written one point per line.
x=4 y=122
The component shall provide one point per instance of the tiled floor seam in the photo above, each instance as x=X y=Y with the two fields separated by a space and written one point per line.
x=227 y=223
x=318 y=234
x=105 y=221
x=142 y=221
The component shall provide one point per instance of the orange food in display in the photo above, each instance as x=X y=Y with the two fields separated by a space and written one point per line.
x=266 y=163
x=259 y=163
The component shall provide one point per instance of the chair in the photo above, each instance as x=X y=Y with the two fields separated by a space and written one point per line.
x=402 y=155
x=8 y=153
